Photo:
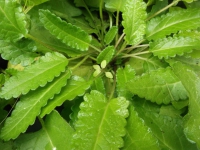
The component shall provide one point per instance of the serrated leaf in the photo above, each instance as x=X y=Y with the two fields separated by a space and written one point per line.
x=123 y=76
x=21 y=52
x=172 y=22
x=110 y=35
x=138 y=133
x=38 y=74
x=106 y=54
x=12 y=21
x=160 y=86
x=170 y=47
x=134 y=16
x=76 y=86
x=115 y=5
x=29 y=107
x=50 y=133
x=66 y=32
x=191 y=82
x=166 y=125
x=100 y=122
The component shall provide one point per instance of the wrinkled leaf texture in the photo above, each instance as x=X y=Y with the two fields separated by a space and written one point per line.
x=38 y=74
x=66 y=32
x=29 y=107
x=106 y=128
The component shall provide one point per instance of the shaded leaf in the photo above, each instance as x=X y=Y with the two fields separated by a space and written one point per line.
x=66 y=32
x=38 y=74
x=134 y=16
x=172 y=22
x=29 y=107
x=34 y=2
x=160 y=86
x=12 y=21
x=98 y=85
x=105 y=129
x=170 y=47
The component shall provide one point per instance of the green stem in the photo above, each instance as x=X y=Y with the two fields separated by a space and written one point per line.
x=80 y=63
x=135 y=54
x=117 y=24
x=102 y=21
x=163 y=9
x=119 y=40
x=113 y=88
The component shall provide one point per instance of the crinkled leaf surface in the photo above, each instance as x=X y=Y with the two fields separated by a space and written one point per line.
x=191 y=82
x=66 y=32
x=170 y=47
x=12 y=21
x=134 y=16
x=138 y=135
x=29 y=107
x=76 y=86
x=110 y=34
x=172 y=22
x=124 y=75
x=38 y=74
x=165 y=123
x=21 y=52
x=106 y=54
x=160 y=86
x=54 y=133
x=115 y=5
x=106 y=128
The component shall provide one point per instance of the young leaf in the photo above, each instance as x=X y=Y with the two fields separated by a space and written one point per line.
x=138 y=133
x=106 y=54
x=21 y=52
x=170 y=47
x=115 y=5
x=191 y=82
x=134 y=16
x=172 y=22
x=12 y=21
x=110 y=35
x=160 y=86
x=105 y=129
x=76 y=86
x=66 y=32
x=29 y=107
x=123 y=77
x=165 y=123
x=38 y=74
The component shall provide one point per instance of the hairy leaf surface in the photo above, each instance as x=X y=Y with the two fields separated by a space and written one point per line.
x=160 y=86
x=105 y=129
x=29 y=107
x=66 y=32
x=12 y=21
x=110 y=35
x=191 y=82
x=21 y=52
x=170 y=47
x=134 y=24
x=138 y=133
x=38 y=74
x=106 y=54
x=172 y=22
x=124 y=75
x=76 y=86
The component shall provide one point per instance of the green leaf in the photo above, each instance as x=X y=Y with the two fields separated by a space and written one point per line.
x=98 y=85
x=170 y=47
x=34 y=2
x=87 y=2
x=29 y=107
x=12 y=21
x=124 y=75
x=160 y=86
x=76 y=86
x=50 y=136
x=115 y=5
x=134 y=16
x=138 y=133
x=106 y=128
x=110 y=34
x=191 y=82
x=165 y=123
x=66 y=32
x=21 y=52
x=172 y=22
x=38 y=74
x=106 y=54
